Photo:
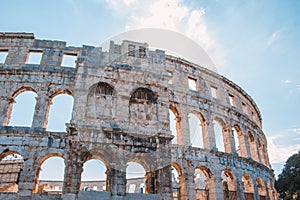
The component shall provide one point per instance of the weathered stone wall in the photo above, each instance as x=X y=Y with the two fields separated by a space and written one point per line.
x=121 y=114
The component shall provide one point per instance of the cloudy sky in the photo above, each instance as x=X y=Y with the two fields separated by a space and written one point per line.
x=254 y=43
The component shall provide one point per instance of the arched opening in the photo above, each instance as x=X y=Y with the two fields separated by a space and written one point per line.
x=252 y=145
x=60 y=112
x=261 y=188
x=143 y=107
x=228 y=185
x=23 y=110
x=50 y=175
x=201 y=176
x=135 y=176
x=174 y=124
x=235 y=132
x=261 y=151
x=195 y=130
x=11 y=166
x=218 y=130
x=178 y=181
x=100 y=101
x=175 y=184
x=248 y=186
x=93 y=177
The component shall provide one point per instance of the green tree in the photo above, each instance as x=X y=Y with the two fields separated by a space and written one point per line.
x=288 y=183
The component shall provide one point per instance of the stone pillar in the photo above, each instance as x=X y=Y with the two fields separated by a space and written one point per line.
x=26 y=179
x=73 y=168
x=255 y=193
x=6 y=106
x=150 y=183
x=184 y=131
x=179 y=131
x=208 y=134
x=226 y=139
x=182 y=187
x=117 y=182
x=163 y=182
x=240 y=193
x=215 y=188
x=232 y=142
x=244 y=148
x=40 y=118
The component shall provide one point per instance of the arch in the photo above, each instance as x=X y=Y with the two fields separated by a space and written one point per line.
x=229 y=184
x=248 y=186
x=143 y=107
x=52 y=161
x=94 y=170
x=135 y=176
x=237 y=133
x=218 y=126
x=261 y=188
x=21 y=107
x=196 y=130
x=253 y=148
x=174 y=123
x=11 y=165
x=143 y=95
x=101 y=101
x=178 y=181
x=201 y=175
x=59 y=111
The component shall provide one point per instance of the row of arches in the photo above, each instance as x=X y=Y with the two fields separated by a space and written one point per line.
x=25 y=103
x=205 y=184
x=51 y=169
x=216 y=135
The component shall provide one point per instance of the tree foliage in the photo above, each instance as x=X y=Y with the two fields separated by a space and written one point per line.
x=288 y=183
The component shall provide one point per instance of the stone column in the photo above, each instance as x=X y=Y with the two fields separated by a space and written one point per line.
x=244 y=148
x=26 y=179
x=150 y=183
x=182 y=187
x=255 y=193
x=117 y=182
x=208 y=134
x=226 y=139
x=6 y=106
x=184 y=138
x=239 y=189
x=215 y=188
x=40 y=118
x=163 y=182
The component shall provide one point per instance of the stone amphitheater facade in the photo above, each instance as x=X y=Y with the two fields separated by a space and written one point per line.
x=122 y=99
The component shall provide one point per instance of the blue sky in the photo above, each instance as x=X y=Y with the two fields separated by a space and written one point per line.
x=254 y=43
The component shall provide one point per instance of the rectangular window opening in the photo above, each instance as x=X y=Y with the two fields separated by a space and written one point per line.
x=231 y=100
x=213 y=91
x=131 y=49
x=244 y=108
x=34 y=57
x=69 y=60
x=192 y=84
x=142 y=52
x=171 y=79
x=3 y=55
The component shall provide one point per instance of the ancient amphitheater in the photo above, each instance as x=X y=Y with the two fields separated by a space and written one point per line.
x=123 y=100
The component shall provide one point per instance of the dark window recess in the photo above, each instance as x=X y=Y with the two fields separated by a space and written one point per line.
x=142 y=95
x=102 y=89
x=131 y=49
x=142 y=52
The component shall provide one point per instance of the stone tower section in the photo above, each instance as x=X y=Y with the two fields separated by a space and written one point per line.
x=123 y=101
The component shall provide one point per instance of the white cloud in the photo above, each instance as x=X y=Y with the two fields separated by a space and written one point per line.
x=287 y=81
x=278 y=152
x=274 y=37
